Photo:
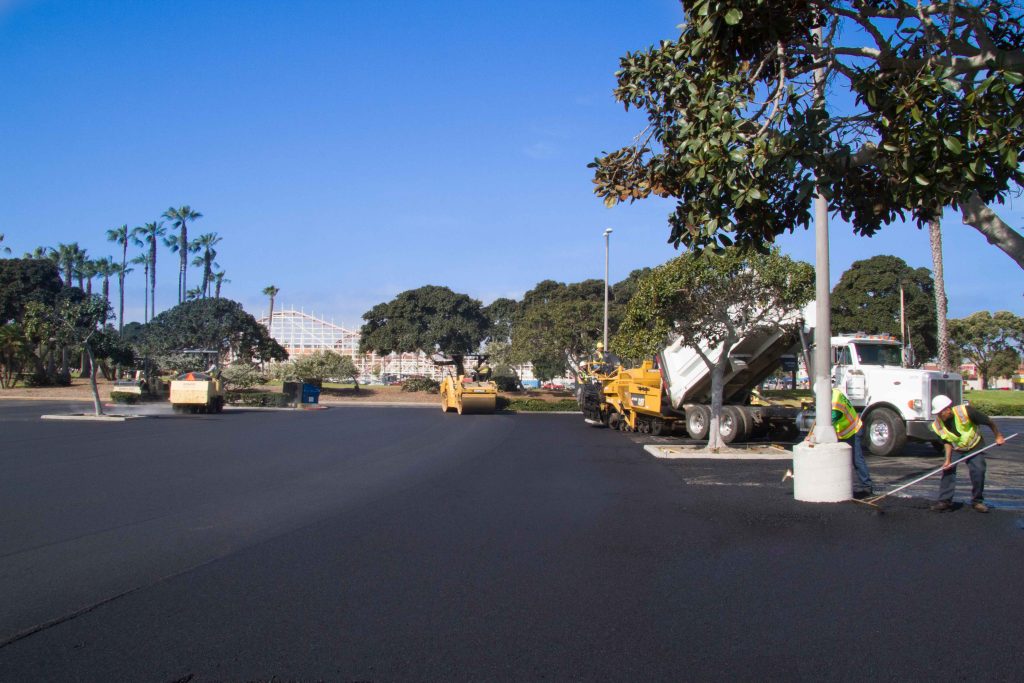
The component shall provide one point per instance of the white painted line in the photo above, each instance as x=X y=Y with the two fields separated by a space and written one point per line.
x=696 y=453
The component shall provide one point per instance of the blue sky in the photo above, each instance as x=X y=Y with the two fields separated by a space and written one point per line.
x=347 y=151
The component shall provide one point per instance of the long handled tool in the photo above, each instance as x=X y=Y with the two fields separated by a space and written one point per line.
x=874 y=501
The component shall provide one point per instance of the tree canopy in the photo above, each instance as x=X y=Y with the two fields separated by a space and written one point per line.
x=431 y=319
x=707 y=299
x=991 y=341
x=217 y=324
x=867 y=299
x=25 y=280
x=735 y=134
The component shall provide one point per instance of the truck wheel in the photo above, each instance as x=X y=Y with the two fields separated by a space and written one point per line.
x=885 y=431
x=698 y=419
x=657 y=426
x=732 y=425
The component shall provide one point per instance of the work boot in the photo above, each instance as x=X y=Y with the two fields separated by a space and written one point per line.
x=980 y=506
x=862 y=494
x=943 y=506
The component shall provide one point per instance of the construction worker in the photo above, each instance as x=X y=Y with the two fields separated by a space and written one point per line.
x=849 y=427
x=958 y=427
x=483 y=372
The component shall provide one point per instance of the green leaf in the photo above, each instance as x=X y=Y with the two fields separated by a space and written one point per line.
x=953 y=145
x=733 y=16
x=1013 y=77
x=921 y=180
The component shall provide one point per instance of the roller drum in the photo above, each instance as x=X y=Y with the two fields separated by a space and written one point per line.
x=477 y=404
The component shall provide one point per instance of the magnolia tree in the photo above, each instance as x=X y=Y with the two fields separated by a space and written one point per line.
x=933 y=119
x=713 y=300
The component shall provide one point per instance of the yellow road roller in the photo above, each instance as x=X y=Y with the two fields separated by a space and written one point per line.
x=473 y=393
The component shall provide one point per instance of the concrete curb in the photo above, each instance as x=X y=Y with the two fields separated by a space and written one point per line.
x=91 y=418
x=700 y=453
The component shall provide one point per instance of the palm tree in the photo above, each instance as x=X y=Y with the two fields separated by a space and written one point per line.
x=272 y=292
x=39 y=253
x=206 y=244
x=120 y=236
x=7 y=250
x=121 y=272
x=179 y=218
x=143 y=260
x=150 y=234
x=194 y=293
x=67 y=256
x=105 y=267
x=86 y=271
x=219 y=279
x=935 y=239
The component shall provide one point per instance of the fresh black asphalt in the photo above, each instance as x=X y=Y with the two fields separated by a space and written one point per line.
x=405 y=544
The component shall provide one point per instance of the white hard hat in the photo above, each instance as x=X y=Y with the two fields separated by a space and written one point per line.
x=940 y=403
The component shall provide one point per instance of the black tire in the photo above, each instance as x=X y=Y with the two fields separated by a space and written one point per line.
x=732 y=425
x=885 y=432
x=614 y=421
x=698 y=419
x=657 y=426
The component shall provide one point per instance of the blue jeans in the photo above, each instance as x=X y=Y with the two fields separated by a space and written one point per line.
x=859 y=466
x=975 y=467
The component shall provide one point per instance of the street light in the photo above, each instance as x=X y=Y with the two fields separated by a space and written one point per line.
x=607 y=232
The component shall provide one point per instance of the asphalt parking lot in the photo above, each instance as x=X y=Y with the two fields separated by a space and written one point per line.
x=405 y=544
x=1004 y=478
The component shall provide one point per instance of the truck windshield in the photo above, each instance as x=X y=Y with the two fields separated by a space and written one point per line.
x=878 y=354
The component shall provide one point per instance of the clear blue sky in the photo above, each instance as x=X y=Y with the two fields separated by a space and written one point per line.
x=347 y=151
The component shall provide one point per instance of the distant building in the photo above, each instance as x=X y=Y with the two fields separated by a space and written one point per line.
x=302 y=333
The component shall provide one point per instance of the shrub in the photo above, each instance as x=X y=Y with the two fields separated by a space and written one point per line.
x=1001 y=409
x=259 y=399
x=536 y=405
x=420 y=384
x=242 y=375
x=124 y=397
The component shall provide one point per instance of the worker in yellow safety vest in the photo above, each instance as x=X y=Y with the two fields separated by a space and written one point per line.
x=849 y=427
x=958 y=427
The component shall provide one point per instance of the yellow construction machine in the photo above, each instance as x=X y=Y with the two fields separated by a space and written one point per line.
x=198 y=392
x=473 y=393
x=626 y=399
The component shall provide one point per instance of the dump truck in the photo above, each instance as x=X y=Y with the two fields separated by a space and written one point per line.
x=466 y=394
x=675 y=388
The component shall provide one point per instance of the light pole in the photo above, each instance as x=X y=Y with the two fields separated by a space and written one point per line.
x=607 y=232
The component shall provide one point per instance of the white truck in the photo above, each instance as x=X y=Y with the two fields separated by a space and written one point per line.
x=894 y=401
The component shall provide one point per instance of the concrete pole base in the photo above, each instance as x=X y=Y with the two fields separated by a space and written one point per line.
x=822 y=472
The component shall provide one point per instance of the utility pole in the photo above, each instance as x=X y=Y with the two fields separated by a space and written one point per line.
x=607 y=232
x=822 y=469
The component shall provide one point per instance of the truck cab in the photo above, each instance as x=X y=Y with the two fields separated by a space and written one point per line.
x=894 y=401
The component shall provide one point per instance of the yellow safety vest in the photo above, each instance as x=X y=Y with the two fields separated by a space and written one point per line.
x=849 y=421
x=969 y=435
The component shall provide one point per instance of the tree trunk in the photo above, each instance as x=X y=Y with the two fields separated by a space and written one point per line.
x=997 y=232
x=184 y=262
x=270 y=320
x=152 y=282
x=92 y=382
x=120 y=313
x=717 y=385
x=941 y=305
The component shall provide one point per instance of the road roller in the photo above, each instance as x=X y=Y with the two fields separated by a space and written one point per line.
x=473 y=393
